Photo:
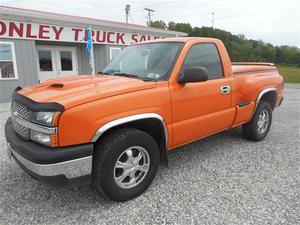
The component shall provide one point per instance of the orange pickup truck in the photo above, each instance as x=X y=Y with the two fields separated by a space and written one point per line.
x=113 y=129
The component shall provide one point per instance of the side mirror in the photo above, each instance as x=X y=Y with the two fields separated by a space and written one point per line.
x=193 y=74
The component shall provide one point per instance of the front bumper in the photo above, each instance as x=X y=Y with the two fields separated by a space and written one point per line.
x=58 y=167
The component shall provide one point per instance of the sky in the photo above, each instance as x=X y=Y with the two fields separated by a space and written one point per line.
x=273 y=21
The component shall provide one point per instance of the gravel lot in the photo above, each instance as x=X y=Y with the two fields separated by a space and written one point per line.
x=222 y=179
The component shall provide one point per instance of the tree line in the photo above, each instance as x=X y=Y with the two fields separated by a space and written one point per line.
x=238 y=47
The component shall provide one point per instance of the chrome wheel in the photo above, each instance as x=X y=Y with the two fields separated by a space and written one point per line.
x=131 y=167
x=263 y=121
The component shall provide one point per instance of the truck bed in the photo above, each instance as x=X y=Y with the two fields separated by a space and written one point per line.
x=241 y=68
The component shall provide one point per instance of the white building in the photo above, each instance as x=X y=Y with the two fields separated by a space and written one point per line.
x=36 y=46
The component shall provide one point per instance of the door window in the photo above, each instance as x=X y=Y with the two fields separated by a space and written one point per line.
x=66 y=60
x=207 y=56
x=45 y=60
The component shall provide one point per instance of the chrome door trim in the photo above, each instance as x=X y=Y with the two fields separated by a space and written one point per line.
x=127 y=119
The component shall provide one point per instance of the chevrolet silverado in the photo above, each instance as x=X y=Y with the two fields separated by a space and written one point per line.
x=115 y=128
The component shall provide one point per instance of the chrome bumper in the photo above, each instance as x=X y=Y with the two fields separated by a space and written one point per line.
x=70 y=169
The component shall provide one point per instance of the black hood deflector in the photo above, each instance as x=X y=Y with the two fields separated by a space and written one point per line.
x=36 y=106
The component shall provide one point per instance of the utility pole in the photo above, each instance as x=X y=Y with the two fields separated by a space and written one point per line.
x=127 y=11
x=212 y=20
x=149 y=15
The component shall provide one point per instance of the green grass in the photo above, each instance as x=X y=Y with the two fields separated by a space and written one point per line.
x=291 y=74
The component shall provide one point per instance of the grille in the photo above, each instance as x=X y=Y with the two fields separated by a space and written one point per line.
x=21 y=111
x=21 y=130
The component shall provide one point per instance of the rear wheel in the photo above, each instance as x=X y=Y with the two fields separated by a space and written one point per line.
x=125 y=163
x=259 y=126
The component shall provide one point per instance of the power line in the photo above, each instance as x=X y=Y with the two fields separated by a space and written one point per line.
x=127 y=11
x=149 y=15
x=132 y=21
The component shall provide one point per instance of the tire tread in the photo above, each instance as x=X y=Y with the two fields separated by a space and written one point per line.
x=102 y=151
x=249 y=129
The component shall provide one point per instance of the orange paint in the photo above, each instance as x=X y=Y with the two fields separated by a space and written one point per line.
x=190 y=111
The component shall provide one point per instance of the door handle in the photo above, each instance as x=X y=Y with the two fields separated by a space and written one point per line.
x=225 y=90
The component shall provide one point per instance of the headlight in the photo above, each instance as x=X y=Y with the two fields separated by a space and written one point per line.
x=49 y=119
x=43 y=118
x=41 y=138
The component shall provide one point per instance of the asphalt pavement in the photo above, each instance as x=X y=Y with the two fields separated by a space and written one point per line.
x=223 y=179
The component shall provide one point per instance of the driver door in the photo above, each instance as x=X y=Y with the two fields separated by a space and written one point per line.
x=202 y=108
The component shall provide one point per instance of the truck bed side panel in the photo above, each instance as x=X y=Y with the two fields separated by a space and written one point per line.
x=249 y=85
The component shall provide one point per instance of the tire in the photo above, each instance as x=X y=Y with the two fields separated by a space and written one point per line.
x=106 y=174
x=256 y=130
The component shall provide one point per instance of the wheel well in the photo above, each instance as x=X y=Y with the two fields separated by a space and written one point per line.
x=270 y=97
x=153 y=127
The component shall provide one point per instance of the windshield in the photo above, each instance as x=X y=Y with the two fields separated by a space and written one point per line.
x=152 y=61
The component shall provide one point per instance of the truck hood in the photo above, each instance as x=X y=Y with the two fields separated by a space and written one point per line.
x=75 y=90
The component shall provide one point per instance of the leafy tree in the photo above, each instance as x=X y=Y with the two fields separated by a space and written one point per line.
x=239 y=48
x=182 y=27
x=171 y=25
x=158 y=24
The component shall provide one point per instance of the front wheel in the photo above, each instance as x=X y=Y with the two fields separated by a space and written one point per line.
x=125 y=163
x=259 y=126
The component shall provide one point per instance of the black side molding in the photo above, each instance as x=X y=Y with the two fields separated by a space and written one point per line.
x=241 y=104
x=281 y=100
x=36 y=106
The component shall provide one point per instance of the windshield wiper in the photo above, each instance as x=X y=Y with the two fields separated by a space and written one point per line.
x=105 y=73
x=122 y=74
x=125 y=74
x=132 y=76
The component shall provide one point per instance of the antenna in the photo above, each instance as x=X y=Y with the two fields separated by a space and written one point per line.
x=149 y=15
x=212 y=20
x=127 y=11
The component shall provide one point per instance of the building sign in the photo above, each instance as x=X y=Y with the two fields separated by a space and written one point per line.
x=35 y=31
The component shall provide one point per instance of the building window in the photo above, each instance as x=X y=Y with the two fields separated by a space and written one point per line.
x=45 y=60
x=8 y=68
x=114 y=52
x=66 y=60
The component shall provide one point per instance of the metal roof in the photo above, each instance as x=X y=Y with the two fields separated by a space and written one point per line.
x=50 y=16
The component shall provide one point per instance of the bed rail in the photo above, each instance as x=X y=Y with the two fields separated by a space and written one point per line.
x=253 y=63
